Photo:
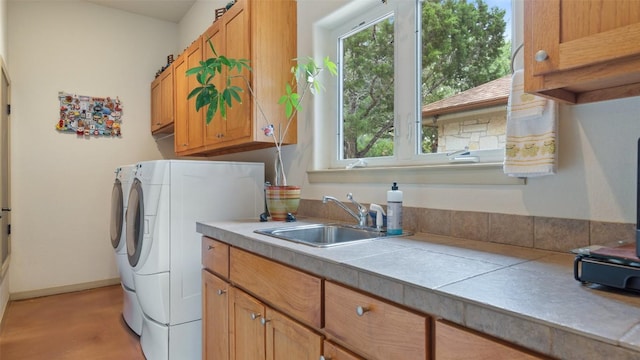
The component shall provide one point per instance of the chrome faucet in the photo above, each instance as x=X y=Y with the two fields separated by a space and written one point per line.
x=362 y=214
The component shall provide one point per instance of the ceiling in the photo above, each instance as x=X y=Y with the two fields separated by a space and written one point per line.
x=168 y=10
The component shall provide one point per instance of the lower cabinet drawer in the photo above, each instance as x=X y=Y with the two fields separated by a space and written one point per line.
x=374 y=328
x=335 y=352
x=454 y=342
x=215 y=256
x=291 y=291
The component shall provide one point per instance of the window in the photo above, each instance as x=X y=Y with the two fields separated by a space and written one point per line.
x=421 y=82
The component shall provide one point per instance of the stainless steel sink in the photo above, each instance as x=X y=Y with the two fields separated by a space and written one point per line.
x=324 y=235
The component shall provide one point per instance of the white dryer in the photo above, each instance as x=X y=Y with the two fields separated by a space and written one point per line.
x=131 y=311
x=167 y=198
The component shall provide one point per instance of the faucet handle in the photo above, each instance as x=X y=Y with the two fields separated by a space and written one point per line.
x=361 y=208
x=362 y=211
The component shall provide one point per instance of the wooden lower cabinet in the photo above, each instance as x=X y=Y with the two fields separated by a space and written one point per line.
x=287 y=339
x=247 y=335
x=374 y=328
x=332 y=351
x=258 y=309
x=453 y=342
x=260 y=332
x=215 y=311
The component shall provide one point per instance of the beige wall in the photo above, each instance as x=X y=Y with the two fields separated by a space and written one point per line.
x=61 y=183
x=596 y=177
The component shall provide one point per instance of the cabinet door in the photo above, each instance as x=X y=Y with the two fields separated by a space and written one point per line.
x=214 y=131
x=374 y=328
x=237 y=40
x=166 y=92
x=215 y=317
x=156 y=105
x=286 y=339
x=189 y=123
x=332 y=351
x=454 y=342
x=576 y=47
x=247 y=339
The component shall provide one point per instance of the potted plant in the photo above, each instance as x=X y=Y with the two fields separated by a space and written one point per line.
x=281 y=197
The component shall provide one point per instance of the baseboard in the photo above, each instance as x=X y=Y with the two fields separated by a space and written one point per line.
x=62 y=289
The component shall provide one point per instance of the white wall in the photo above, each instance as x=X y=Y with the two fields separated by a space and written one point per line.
x=61 y=183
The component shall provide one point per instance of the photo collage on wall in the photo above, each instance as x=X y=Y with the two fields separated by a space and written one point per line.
x=90 y=116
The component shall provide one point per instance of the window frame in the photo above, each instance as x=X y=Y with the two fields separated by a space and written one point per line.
x=327 y=144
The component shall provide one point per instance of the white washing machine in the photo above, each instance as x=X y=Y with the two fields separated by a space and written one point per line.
x=131 y=311
x=167 y=198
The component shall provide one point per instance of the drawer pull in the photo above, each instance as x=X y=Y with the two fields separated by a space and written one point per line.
x=255 y=316
x=264 y=321
x=221 y=291
x=324 y=358
x=210 y=247
x=361 y=310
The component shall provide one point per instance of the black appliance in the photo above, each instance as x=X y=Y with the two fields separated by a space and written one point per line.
x=617 y=267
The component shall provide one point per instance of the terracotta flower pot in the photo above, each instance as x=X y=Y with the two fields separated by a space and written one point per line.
x=282 y=200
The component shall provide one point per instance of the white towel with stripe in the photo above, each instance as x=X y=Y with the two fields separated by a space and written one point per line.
x=531 y=146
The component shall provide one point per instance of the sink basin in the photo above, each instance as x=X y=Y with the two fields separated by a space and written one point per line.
x=324 y=235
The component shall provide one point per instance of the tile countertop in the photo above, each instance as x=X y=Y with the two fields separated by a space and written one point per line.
x=525 y=296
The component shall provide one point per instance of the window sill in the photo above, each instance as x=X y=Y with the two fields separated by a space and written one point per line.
x=468 y=174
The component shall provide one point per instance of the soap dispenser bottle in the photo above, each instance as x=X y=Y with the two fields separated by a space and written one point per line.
x=394 y=210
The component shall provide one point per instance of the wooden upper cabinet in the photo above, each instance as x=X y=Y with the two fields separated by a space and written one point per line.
x=579 y=51
x=228 y=36
x=162 y=102
x=189 y=123
x=265 y=33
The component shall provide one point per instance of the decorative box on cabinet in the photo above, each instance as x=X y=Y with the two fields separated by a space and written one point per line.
x=580 y=51
x=453 y=342
x=162 y=102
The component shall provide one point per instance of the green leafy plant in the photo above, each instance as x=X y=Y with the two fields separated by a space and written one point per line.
x=305 y=78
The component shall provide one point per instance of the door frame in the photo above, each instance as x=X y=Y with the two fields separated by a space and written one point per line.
x=5 y=161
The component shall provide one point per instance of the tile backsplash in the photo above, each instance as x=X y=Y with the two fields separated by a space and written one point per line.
x=555 y=234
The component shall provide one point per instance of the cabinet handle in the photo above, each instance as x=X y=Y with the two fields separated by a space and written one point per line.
x=264 y=321
x=210 y=247
x=255 y=316
x=324 y=358
x=221 y=291
x=541 y=56
x=361 y=310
